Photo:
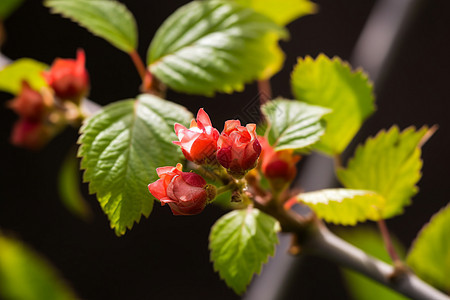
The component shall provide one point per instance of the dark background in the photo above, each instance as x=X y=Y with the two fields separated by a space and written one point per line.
x=166 y=257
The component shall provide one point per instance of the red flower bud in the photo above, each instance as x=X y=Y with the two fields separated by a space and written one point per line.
x=28 y=104
x=69 y=78
x=29 y=134
x=238 y=147
x=199 y=142
x=278 y=165
x=185 y=192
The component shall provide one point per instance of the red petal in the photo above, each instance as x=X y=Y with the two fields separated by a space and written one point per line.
x=178 y=127
x=164 y=170
x=158 y=189
x=203 y=119
x=231 y=125
x=193 y=179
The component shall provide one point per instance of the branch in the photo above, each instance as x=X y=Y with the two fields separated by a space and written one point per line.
x=315 y=238
x=326 y=244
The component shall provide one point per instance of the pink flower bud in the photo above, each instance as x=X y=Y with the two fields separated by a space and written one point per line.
x=69 y=78
x=199 y=142
x=28 y=104
x=278 y=165
x=185 y=192
x=238 y=147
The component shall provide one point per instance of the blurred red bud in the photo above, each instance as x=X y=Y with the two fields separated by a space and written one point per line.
x=28 y=104
x=69 y=78
x=278 y=165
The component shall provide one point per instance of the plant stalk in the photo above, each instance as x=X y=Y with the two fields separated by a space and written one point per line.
x=264 y=91
x=388 y=241
x=225 y=188
x=138 y=63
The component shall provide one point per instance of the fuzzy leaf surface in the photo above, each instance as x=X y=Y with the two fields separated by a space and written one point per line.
x=121 y=147
x=388 y=164
x=331 y=83
x=429 y=256
x=26 y=275
x=240 y=242
x=214 y=46
x=282 y=12
x=293 y=124
x=27 y=69
x=343 y=206
x=108 y=19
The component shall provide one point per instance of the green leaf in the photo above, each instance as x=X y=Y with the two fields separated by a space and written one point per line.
x=214 y=46
x=429 y=256
x=343 y=206
x=240 y=242
x=7 y=7
x=121 y=147
x=25 y=275
x=293 y=124
x=28 y=69
x=69 y=187
x=331 y=83
x=371 y=242
x=388 y=164
x=282 y=12
x=108 y=19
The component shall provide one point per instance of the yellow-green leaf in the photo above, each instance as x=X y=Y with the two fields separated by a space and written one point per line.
x=69 y=187
x=331 y=83
x=7 y=7
x=282 y=12
x=343 y=206
x=27 y=69
x=388 y=164
x=24 y=275
x=429 y=256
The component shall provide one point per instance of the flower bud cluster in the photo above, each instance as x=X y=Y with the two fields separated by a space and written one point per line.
x=235 y=151
x=43 y=113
